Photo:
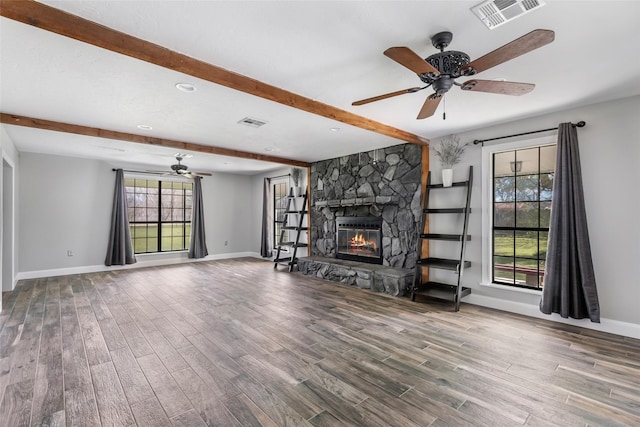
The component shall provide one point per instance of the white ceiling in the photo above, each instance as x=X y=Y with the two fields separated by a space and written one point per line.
x=329 y=51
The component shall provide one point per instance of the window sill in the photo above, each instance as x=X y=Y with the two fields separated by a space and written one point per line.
x=512 y=288
x=149 y=254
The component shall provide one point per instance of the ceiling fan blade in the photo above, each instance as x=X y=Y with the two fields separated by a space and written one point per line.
x=387 y=95
x=520 y=46
x=430 y=105
x=503 y=88
x=200 y=173
x=408 y=58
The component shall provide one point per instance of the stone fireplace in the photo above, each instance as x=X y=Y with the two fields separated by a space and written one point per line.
x=382 y=184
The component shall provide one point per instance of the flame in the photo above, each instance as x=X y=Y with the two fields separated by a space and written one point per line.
x=358 y=241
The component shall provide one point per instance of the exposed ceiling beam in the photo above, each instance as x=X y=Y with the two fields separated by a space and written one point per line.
x=12 y=119
x=66 y=24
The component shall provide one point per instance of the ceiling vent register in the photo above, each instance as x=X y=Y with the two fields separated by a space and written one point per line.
x=254 y=123
x=494 y=13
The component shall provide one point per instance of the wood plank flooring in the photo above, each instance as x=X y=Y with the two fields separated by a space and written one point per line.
x=237 y=343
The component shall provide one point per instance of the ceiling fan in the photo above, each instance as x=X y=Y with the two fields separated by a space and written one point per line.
x=441 y=70
x=182 y=170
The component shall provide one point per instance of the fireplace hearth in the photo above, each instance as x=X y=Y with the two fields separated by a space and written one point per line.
x=359 y=239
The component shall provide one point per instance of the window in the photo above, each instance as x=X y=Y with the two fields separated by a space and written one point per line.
x=519 y=194
x=279 y=208
x=159 y=214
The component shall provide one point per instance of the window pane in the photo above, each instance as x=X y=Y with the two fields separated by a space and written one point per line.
x=187 y=214
x=548 y=158
x=188 y=203
x=176 y=200
x=504 y=189
x=527 y=214
x=545 y=214
x=527 y=187
x=177 y=215
x=529 y=159
x=527 y=272
x=502 y=163
x=527 y=244
x=546 y=186
x=503 y=269
x=152 y=200
x=503 y=243
x=152 y=244
x=504 y=215
x=152 y=214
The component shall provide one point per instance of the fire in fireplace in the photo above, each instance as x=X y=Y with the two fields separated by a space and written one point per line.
x=359 y=239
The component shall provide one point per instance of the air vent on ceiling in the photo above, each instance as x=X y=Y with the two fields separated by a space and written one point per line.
x=494 y=13
x=254 y=123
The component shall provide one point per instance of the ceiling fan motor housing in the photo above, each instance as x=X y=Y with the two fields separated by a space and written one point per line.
x=179 y=169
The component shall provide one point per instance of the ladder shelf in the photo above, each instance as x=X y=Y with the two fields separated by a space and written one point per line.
x=448 y=291
x=291 y=246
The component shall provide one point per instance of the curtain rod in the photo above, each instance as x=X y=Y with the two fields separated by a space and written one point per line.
x=279 y=176
x=580 y=124
x=143 y=172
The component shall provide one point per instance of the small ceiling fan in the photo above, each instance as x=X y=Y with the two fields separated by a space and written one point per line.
x=182 y=170
x=441 y=70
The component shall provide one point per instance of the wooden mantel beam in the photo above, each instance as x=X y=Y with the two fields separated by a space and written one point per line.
x=12 y=119
x=55 y=20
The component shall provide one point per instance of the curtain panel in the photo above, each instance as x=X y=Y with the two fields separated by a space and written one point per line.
x=569 y=281
x=198 y=243
x=120 y=248
x=266 y=240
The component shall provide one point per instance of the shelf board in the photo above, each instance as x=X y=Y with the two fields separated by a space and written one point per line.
x=442 y=263
x=436 y=236
x=446 y=211
x=440 y=290
x=455 y=184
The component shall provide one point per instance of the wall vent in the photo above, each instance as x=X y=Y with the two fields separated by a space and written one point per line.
x=254 y=123
x=494 y=13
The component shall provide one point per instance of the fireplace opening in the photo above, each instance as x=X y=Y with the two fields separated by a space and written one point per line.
x=359 y=239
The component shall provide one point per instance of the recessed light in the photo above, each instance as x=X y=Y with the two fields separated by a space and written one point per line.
x=335 y=129
x=144 y=127
x=185 y=87
x=271 y=149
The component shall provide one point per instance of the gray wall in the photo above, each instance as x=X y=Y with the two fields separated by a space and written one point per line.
x=65 y=204
x=610 y=158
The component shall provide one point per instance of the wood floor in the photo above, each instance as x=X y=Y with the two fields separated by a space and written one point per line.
x=236 y=343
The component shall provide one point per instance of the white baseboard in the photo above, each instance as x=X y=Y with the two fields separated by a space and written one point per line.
x=157 y=261
x=606 y=325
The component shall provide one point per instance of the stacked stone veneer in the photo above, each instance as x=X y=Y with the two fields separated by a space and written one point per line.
x=383 y=183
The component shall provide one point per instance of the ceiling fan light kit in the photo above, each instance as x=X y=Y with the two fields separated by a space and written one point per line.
x=441 y=69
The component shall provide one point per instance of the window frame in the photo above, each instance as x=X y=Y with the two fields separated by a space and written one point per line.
x=487 y=207
x=159 y=222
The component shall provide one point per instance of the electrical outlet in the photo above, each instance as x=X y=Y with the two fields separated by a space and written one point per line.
x=69 y=252
x=226 y=242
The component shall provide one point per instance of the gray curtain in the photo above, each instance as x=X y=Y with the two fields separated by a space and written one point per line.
x=265 y=241
x=569 y=280
x=198 y=244
x=120 y=248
